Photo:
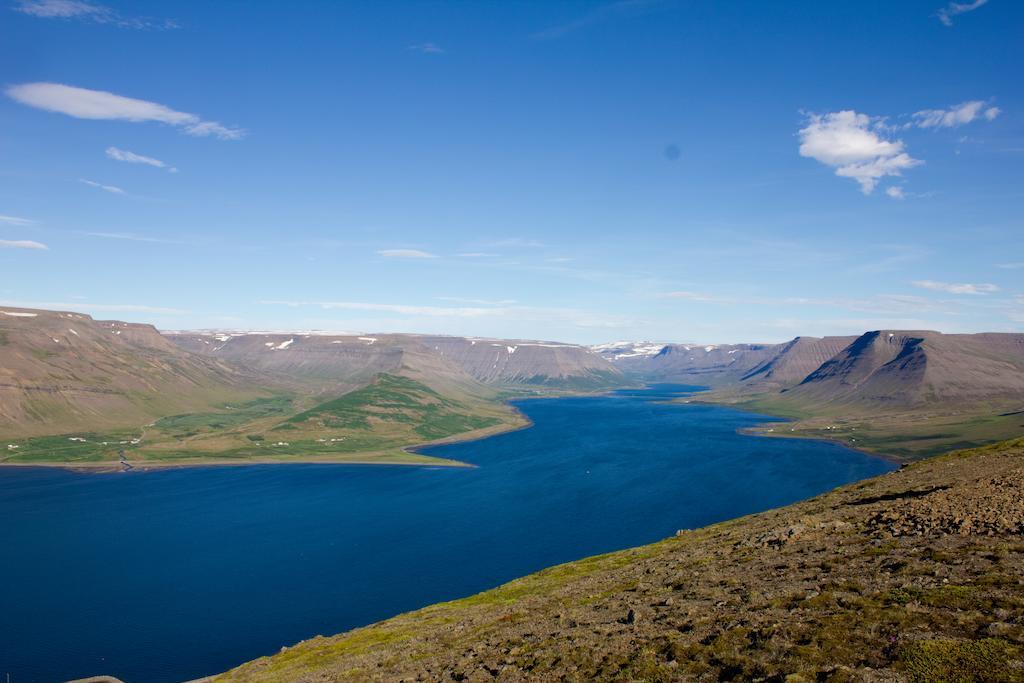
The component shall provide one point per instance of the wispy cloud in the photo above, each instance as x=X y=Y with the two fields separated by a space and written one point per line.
x=405 y=253
x=85 y=306
x=855 y=146
x=14 y=220
x=113 y=189
x=956 y=288
x=426 y=48
x=22 y=244
x=1010 y=266
x=131 y=237
x=572 y=317
x=957 y=115
x=887 y=304
x=82 y=103
x=480 y=302
x=607 y=12
x=132 y=158
x=896 y=192
x=516 y=242
x=946 y=14
x=87 y=11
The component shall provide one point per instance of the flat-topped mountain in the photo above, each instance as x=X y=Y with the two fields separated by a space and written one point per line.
x=356 y=358
x=901 y=392
x=908 y=369
x=65 y=369
x=710 y=365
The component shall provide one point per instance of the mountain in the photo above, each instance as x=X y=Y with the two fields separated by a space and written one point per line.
x=898 y=392
x=348 y=358
x=908 y=369
x=790 y=363
x=711 y=365
x=66 y=371
x=107 y=394
x=911 y=576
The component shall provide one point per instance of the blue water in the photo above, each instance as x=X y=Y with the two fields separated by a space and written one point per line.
x=171 y=575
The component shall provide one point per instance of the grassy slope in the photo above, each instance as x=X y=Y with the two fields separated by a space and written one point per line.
x=373 y=424
x=912 y=576
x=908 y=434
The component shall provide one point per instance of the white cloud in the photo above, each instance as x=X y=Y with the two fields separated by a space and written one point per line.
x=21 y=244
x=848 y=142
x=1010 y=266
x=946 y=14
x=427 y=48
x=481 y=302
x=133 y=158
x=82 y=103
x=87 y=11
x=516 y=242
x=954 y=288
x=14 y=220
x=131 y=237
x=957 y=115
x=405 y=253
x=572 y=317
x=606 y=12
x=113 y=189
x=896 y=192
x=84 y=306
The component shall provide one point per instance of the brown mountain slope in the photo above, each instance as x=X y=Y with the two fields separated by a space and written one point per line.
x=502 y=361
x=62 y=371
x=712 y=365
x=359 y=358
x=793 y=362
x=912 y=576
x=909 y=369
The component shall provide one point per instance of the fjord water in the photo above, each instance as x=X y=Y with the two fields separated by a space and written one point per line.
x=171 y=575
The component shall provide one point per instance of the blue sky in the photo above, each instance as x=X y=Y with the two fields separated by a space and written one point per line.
x=579 y=171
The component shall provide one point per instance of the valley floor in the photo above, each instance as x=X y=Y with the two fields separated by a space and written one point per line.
x=912 y=576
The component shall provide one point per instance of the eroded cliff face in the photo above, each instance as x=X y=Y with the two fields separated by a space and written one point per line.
x=912 y=576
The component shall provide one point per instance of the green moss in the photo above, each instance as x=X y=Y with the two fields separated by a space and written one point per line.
x=952 y=661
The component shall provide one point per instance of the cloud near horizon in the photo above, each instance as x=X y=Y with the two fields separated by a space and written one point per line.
x=15 y=220
x=427 y=48
x=132 y=158
x=22 y=244
x=956 y=288
x=405 y=253
x=83 y=103
x=854 y=145
x=113 y=189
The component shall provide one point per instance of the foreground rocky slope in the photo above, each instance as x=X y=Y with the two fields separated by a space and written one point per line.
x=917 y=575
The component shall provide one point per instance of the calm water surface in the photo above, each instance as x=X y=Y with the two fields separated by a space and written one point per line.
x=166 y=576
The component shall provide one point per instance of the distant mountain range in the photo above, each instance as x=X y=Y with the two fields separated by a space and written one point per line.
x=61 y=373
x=930 y=390
x=90 y=393
x=494 y=362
